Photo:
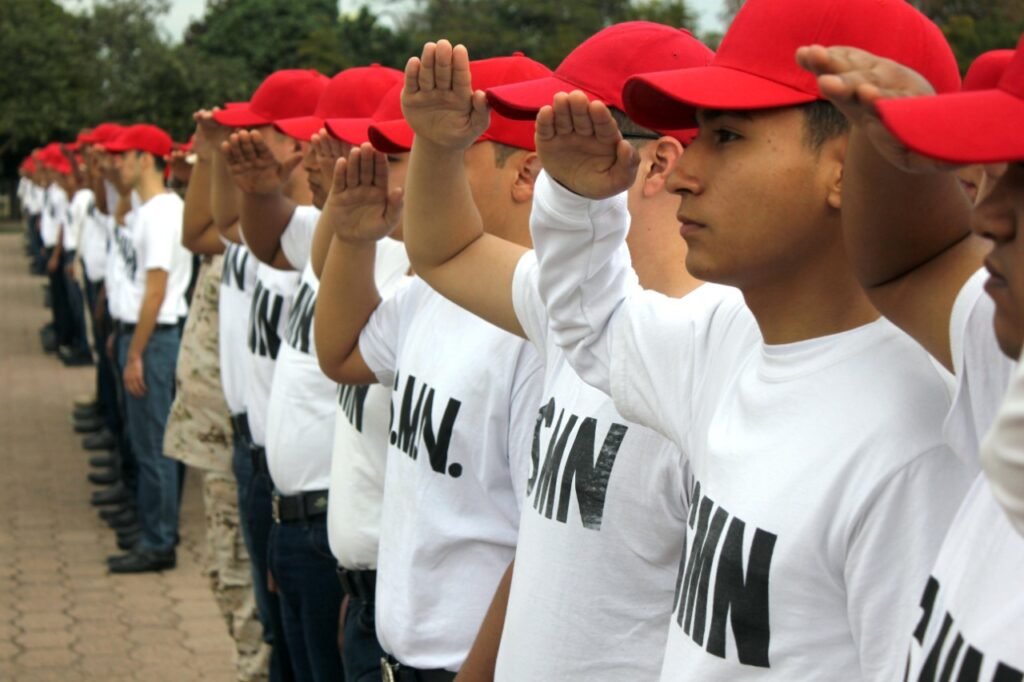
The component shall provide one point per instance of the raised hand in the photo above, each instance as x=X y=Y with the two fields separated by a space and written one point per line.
x=328 y=151
x=253 y=166
x=209 y=134
x=580 y=146
x=854 y=81
x=438 y=99
x=360 y=208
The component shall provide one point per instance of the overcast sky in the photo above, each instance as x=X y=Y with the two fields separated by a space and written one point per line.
x=184 y=11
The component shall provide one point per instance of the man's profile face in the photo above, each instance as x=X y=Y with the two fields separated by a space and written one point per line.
x=753 y=196
x=314 y=178
x=998 y=216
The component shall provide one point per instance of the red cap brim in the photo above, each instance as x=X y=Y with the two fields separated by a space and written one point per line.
x=302 y=128
x=391 y=137
x=355 y=131
x=962 y=128
x=667 y=100
x=522 y=101
x=240 y=117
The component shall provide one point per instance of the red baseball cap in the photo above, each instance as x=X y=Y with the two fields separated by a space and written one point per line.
x=283 y=94
x=978 y=126
x=356 y=130
x=601 y=64
x=755 y=66
x=395 y=135
x=104 y=132
x=353 y=93
x=142 y=137
x=987 y=69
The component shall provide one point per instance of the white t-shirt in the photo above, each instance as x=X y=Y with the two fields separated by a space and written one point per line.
x=121 y=265
x=93 y=236
x=236 y=286
x=300 y=415
x=34 y=198
x=268 y=317
x=78 y=207
x=602 y=531
x=361 y=444
x=971 y=615
x=816 y=464
x=464 y=400
x=156 y=240
x=55 y=211
x=1002 y=453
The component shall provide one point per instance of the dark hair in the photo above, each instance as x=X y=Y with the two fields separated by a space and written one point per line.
x=502 y=153
x=822 y=122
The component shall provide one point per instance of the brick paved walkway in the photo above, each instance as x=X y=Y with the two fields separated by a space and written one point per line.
x=62 y=617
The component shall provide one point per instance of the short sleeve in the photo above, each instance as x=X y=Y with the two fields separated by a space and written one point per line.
x=297 y=238
x=160 y=237
x=526 y=301
x=379 y=340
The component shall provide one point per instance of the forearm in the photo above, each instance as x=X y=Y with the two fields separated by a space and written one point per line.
x=480 y=663
x=348 y=296
x=198 y=234
x=437 y=231
x=263 y=219
x=322 y=238
x=224 y=195
x=894 y=221
x=148 y=312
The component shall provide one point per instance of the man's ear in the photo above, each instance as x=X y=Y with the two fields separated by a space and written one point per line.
x=527 y=167
x=658 y=158
x=833 y=160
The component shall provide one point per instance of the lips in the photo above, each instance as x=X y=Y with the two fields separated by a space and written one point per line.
x=688 y=226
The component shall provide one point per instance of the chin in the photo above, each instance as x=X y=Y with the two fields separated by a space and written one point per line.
x=1009 y=337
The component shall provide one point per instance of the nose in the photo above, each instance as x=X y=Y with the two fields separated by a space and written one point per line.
x=684 y=178
x=994 y=216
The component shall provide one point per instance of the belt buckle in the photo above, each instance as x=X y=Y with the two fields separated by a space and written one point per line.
x=275 y=508
x=388 y=671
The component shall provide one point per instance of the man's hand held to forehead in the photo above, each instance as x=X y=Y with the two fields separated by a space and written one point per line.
x=438 y=99
x=253 y=166
x=360 y=209
x=581 y=148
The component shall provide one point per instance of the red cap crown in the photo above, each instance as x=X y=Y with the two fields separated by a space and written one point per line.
x=288 y=93
x=142 y=137
x=393 y=135
x=755 y=67
x=602 y=63
x=987 y=70
x=353 y=93
x=102 y=133
x=978 y=126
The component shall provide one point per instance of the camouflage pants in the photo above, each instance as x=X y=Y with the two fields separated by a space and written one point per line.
x=230 y=575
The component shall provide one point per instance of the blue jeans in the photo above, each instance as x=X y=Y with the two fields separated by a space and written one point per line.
x=157 y=485
x=76 y=307
x=254 y=505
x=362 y=653
x=307 y=583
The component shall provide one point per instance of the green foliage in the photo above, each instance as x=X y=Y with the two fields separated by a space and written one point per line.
x=354 y=40
x=544 y=30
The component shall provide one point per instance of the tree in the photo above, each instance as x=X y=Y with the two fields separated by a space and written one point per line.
x=355 y=40
x=543 y=30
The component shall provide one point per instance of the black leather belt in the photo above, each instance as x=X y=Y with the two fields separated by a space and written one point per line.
x=309 y=506
x=125 y=328
x=393 y=671
x=259 y=459
x=361 y=585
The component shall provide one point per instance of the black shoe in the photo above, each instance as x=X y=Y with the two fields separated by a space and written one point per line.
x=78 y=359
x=86 y=412
x=142 y=561
x=123 y=521
x=104 y=477
x=116 y=494
x=90 y=425
x=103 y=461
x=101 y=440
x=110 y=512
x=128 y=541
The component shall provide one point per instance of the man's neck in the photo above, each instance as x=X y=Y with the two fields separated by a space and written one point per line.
x=816 y=301
x=656 y=249
x=149 y=186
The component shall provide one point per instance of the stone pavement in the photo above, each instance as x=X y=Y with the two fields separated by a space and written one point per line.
x=62 y=616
